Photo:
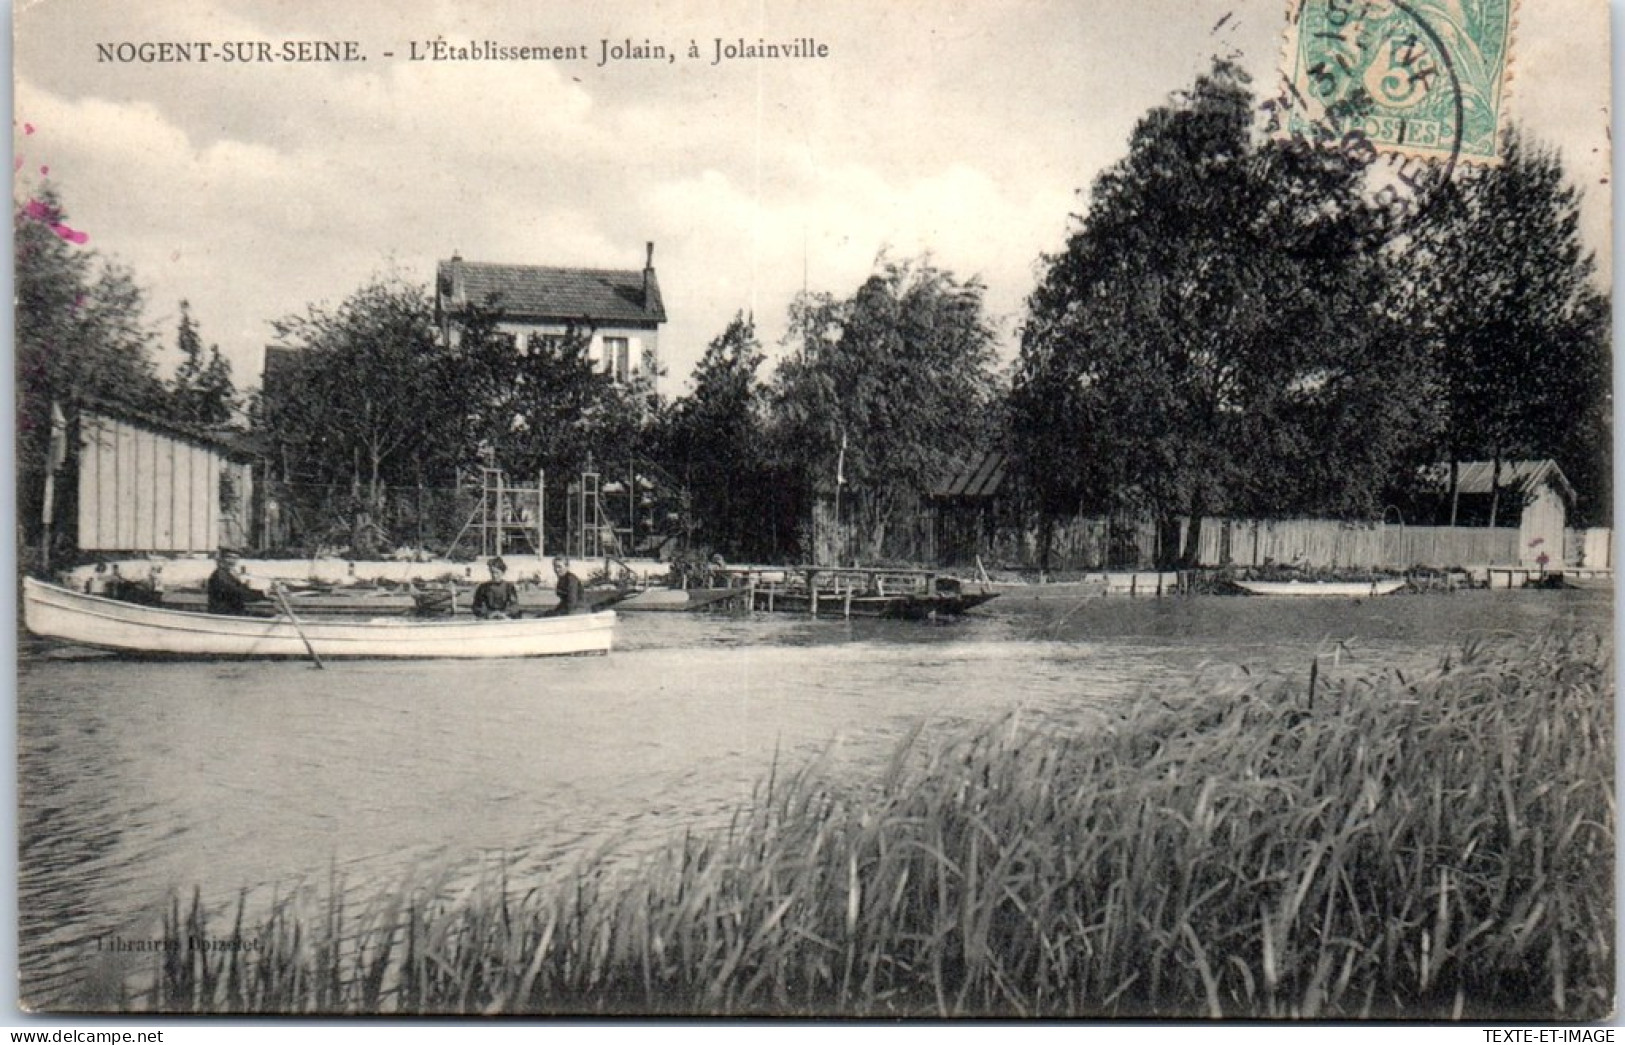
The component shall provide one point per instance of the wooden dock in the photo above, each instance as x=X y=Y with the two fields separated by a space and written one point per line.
x=884 y=592
x=1503 y=577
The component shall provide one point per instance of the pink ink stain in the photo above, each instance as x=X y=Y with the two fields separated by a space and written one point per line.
x=47 y=215
x=28 y=128
x=44 y=169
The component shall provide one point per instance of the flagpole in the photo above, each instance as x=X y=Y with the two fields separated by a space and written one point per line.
x=56 y=453
x=840 y=480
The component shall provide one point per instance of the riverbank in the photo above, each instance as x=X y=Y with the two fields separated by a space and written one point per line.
x=533 y=571
x=1332 y=846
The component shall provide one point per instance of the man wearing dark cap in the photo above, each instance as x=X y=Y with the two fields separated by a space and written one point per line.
x=228 y=593
x=497 y=598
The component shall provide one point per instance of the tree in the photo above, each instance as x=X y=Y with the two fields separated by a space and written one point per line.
x=201 y=392
x=885 y=391
x=538 y=403
x=360 y=402
x=714 y=443
x=566 y=410
x=1501 y=291
x=80 y=336
x=1216 y=335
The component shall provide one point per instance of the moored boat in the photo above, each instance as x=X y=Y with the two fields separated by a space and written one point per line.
x=1322 y=589
x=90 y=620
x=682 y=600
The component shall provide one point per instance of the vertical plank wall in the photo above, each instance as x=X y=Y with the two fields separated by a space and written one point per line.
x=140 y=490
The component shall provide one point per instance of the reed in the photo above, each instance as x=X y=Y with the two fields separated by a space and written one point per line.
x=1328 y=846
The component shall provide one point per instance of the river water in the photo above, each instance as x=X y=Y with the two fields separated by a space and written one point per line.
x=141 y=779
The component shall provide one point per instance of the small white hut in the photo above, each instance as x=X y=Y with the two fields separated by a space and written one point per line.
x=1535 y=494
x=147 y=486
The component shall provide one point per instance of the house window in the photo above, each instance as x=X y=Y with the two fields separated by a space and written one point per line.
x=618 y=358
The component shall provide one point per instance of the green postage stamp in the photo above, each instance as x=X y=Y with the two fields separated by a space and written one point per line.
x=1426 y=78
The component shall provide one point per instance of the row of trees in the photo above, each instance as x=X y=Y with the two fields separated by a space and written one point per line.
x=879 y=394
x=1241 y=326
x=1235 y=326
x=373 y=396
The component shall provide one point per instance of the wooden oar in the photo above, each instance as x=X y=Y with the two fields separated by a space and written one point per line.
x=282 y=598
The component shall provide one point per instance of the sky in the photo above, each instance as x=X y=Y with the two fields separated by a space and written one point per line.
x=960 y=128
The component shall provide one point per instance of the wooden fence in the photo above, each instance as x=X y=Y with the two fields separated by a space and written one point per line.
x=1085 y=543
x=1326 y=544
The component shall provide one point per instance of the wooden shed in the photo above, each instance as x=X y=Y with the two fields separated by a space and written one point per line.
x=964 y=505
x=145 y=485
x=1534 y=495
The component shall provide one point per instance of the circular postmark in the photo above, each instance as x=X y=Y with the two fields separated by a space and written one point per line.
x=1418 y=84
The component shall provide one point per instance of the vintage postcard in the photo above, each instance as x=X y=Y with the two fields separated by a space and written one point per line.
x=783 y=509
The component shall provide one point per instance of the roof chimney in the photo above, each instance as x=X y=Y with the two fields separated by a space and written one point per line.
x=648 y=272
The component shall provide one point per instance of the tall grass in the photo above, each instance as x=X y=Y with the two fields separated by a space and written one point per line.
x=1333 y=847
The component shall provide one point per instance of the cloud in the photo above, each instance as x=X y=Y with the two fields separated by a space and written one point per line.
x=960 y=130
x=828 y=225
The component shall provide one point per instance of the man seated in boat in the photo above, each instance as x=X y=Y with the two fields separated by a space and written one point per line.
x=229 y=593
x=99 y=581
x=497 y=598
x=148 y=592
x=571 y=597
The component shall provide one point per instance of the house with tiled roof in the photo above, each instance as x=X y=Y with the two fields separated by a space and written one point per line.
x=621 y=308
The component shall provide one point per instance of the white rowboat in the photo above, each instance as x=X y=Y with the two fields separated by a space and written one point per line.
x=1322 y=589
x=90 y=620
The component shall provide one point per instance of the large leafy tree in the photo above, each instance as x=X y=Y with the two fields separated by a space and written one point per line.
x=80 y=335
x=714 y=443
x=537 y=403
x=359 y=403
x=1217 y=336
x=1499 y=287
x=202 y=392
x=886 y=390
x=537 y=406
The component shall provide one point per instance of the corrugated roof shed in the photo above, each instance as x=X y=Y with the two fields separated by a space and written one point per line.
x=981 y=478
x=1478 y=477
x=542 y=292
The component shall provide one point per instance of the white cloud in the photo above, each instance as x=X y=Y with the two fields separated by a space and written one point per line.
x=962 y=130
